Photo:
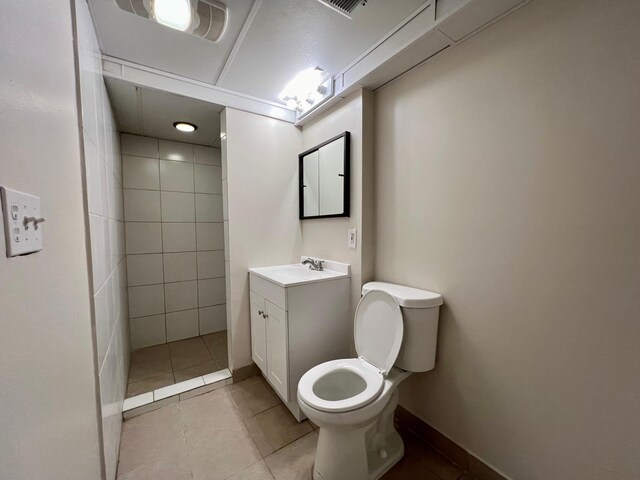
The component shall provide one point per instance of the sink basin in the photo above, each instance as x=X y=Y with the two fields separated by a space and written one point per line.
x=298 y=274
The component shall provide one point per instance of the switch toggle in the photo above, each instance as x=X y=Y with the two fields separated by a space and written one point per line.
x=14 y=211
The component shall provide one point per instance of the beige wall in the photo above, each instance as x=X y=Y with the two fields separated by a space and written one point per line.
x=327 y=237
x=48 y=397
x=260 y=156
x=507 y=176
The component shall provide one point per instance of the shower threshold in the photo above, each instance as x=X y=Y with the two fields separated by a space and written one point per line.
x=160 y=397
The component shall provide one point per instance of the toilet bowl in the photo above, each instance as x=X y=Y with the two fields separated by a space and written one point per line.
x=353 y=400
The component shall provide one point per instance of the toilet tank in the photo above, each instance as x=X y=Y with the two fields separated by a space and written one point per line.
x=420 y=311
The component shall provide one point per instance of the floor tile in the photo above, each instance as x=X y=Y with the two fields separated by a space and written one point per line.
x=217 y=440
x=197 y=371
x=150 y=438
x=295 y=461
x=161 y=470
x=223 y=454
x=220 y=354
x=188 y=353
x=149 y=384
x=149 y=362
x=257 y=471
x=438 y=464
x=204 y=415
x=213 y=339
x=410 y=467
x=253 y=396
x=275 y=428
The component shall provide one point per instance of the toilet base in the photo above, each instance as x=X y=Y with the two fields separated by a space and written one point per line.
x=364 y=453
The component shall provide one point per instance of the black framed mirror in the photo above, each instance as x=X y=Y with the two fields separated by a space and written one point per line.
x=324 y=179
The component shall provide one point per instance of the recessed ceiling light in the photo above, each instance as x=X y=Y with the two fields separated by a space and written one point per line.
x=185 y=127
x=173 y=13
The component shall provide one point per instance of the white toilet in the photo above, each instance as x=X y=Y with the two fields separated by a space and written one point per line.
x=353 y=400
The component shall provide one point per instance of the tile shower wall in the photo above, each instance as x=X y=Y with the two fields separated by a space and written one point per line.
x=106 y=223
x=174 y=239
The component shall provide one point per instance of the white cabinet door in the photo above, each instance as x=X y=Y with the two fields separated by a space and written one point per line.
x=278 y=352
x=258 y=331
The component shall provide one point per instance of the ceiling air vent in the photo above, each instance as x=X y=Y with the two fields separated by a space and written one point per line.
x=345 y=7
x=208 y=17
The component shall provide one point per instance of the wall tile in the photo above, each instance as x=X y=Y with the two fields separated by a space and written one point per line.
x=146 y=300
x=225 y=205
x=182 y=325
x=181 y=296
x=176 y=176
x=97 y=251
x=179 y=237
x=138 y=146
x=141 y=206
x=179 y=267
x=143 y=237
x=140 y=172
x=208 y=179
x=208 y=208
x=144 y=269
x=211 y=292
x=101 y=305
x=226 y=240
x=209 y=236
x=210 y=264
x=92 y=161
x=212 y=319
x=148 y=331
x=178 y=207
x=178 y=151
x=207 y=155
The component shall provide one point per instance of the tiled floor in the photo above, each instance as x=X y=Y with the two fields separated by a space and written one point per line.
x=243 y=432
x=162 y=365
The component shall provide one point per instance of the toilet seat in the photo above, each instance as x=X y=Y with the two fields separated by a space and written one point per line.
x=341 y=391
x=348 y=384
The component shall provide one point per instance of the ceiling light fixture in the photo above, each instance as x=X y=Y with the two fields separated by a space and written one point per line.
x=185 y=127
x=173 y=13
x=307 y=90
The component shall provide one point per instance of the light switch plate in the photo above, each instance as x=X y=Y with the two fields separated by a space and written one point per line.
x=21 y=238
x=352 y=238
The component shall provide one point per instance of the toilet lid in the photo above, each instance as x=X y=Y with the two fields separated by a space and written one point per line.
x=378 y=329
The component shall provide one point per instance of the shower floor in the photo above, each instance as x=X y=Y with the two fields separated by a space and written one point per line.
x=169 y=363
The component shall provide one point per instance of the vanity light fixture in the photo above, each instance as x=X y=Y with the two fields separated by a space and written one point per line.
x=172 y=13
x=185 y=127
x=307 y=90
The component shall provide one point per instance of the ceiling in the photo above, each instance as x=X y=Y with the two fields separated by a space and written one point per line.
x=145 y=111
x=266 y=43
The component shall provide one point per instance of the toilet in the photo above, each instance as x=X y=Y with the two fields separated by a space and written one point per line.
x=353 y=400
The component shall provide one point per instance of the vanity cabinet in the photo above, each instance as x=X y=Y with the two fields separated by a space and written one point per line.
x=295 y=327
x=269 y=327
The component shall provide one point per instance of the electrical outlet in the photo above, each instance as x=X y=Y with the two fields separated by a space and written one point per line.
x=352 y=238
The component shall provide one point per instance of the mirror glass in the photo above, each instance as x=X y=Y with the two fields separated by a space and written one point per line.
x=324 y=179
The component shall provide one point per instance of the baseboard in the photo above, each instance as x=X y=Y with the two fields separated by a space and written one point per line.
x=470 y=464
x=245 y=372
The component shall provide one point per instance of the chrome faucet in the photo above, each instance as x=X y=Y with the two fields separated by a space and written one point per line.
x=314 y=264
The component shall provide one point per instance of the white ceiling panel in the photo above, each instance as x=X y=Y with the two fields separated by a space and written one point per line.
x=288 y=36
x=136 y=39
x=145 y=111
